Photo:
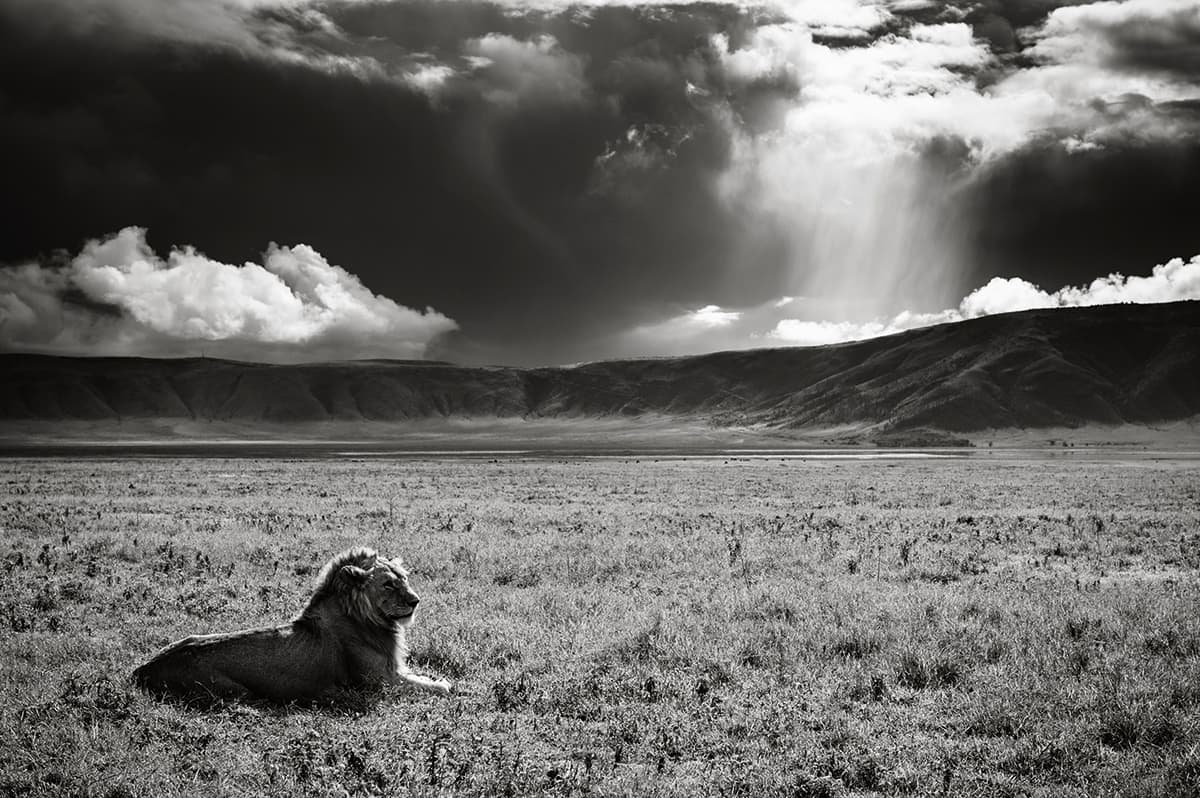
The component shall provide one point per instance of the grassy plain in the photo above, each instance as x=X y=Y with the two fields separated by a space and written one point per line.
x=675 y=627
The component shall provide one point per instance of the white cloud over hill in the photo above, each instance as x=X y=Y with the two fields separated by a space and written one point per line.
x=117 y=296
x=1172 y=281
x=776 y=324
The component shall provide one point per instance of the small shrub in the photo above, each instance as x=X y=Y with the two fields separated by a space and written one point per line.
x=74 y=591
x=994 y=722
x=20 y=619
x=995 y=651
x=855 y=644
x=1079 y=659
x=735 y=542
x=1119 y=730
x=45 y=600
x=938 y=577
x=520 y=577
x=658 y=643
x=911 y=672
x=466 y=557
x=807 y=786
x=860 y=771
x=514 y=694
x=1182 y=774
x=1079 y=627
x=1032 y=757
x=1170 y=643
x=1128 y=725
x=873 y=689
x=946 y=673
x=102 y=696
x=767 y=650
x=769 y=607
x=914 y=672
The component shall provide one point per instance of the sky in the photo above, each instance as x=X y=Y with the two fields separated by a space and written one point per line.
x=532 y=182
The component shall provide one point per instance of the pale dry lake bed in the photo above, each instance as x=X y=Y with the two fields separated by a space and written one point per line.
x=721 y=623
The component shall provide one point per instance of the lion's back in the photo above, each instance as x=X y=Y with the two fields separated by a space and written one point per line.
x=277 y=664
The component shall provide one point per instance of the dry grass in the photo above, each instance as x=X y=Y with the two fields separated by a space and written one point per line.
x=651 y=628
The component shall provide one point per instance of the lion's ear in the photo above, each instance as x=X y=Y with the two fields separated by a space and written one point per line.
x=354 y=575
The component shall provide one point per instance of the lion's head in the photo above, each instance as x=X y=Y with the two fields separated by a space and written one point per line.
x=371 y=589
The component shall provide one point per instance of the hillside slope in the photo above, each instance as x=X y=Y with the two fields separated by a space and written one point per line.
x=1059 y=368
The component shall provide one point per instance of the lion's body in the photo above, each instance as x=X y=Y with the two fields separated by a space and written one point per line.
x=293 y=662
x=349 y=637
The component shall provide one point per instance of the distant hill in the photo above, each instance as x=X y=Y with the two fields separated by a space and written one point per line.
x=1059 y=368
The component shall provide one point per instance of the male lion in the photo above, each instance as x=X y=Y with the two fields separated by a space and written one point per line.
x=350 y=636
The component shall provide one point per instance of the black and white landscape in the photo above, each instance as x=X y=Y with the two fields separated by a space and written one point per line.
x=797 y=397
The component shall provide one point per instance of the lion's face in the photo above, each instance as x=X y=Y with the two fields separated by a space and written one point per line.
x=376 y=590
x=391 y=594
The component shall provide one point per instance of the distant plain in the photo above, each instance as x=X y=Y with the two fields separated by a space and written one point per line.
x=1001 y=623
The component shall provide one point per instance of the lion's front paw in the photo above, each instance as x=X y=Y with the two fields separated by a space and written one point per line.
x=441 y=687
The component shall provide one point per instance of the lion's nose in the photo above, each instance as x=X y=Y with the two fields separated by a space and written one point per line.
x=413 y=600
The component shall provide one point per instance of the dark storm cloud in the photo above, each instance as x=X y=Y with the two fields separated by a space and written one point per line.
x=1057 y=217
x=1145 y=37
x=486 y=191
x=1077 y=202
x=548 y=176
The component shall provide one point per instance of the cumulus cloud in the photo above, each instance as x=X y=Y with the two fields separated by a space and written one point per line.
x=1133 y=36
x=711 y=328
x=692 y=331
x=836 y=18
x=1173 y=281
x=429 y=79
x=820 y=333
x=117 y=296
x=774 y=323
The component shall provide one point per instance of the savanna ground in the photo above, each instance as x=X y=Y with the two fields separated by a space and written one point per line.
x=675 y=627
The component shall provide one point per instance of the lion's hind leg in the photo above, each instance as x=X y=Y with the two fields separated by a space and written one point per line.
x=204 y=686
x=179 y=670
